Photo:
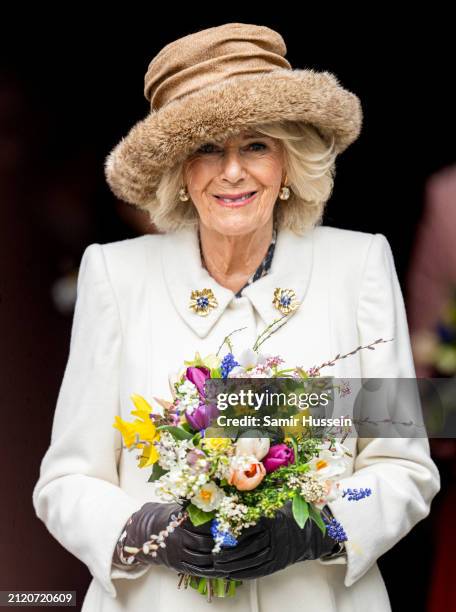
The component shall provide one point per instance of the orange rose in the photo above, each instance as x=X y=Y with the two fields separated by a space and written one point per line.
x=246 y=473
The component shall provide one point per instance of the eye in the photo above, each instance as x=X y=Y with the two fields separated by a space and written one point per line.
x=257 y=144
x=207 y=148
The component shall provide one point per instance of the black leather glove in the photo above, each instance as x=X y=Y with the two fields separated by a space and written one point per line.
x=188 y=548
x=251 y=550
x=185 y=543
x=284 y=543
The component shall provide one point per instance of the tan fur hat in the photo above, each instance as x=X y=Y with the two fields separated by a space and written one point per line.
x=214 y=83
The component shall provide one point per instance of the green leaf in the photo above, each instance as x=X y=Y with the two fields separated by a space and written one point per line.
x=177 y=432
x=197 y=516
x=157 y=472
x=216 y=373
x=300 y=510
x=315 y=515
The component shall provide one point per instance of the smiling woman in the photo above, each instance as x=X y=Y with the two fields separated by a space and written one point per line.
x=308 y=163
x=238 y=188
x=236 y=142
x=234 y=186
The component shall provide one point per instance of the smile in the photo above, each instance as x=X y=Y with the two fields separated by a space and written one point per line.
x=236 y=202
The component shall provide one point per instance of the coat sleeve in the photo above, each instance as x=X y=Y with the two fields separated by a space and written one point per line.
x=77 y=494
x=400 y=471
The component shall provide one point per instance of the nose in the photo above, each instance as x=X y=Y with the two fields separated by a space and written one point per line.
x=232 y=166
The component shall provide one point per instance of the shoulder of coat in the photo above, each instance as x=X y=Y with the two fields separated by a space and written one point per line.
x=346 y=249
x=131 y=247
x=131 y=254
x=336 y=239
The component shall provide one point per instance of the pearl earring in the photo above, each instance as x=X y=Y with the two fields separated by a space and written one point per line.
x=183 y=195
x=284 y=193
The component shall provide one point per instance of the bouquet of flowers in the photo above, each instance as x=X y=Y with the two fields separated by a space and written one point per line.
x=235 y=481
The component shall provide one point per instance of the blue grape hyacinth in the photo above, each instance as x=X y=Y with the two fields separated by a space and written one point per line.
x=224 y=537
x=335 y=530
x=356 y=494
x=228 y=363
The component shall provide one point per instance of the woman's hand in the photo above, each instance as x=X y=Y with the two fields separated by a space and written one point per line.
x=252 y=549
x=185 y=544
x=188 y=548
x=284 y=543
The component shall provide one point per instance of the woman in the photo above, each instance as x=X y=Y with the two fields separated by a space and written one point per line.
x=234 y=165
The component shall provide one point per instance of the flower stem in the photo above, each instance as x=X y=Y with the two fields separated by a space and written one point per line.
x=227 y=341
x=210 y=587
x=268 y=331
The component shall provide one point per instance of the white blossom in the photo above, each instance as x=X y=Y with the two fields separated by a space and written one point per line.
x=258 y=447
x=188 y=396
x=208 y=497
x=328 y=464
x=248 y=361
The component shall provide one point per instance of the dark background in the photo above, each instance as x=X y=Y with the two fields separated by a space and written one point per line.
x=70 y=87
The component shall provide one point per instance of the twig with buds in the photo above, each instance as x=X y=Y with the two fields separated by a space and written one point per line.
x=157 y=541
x=316 y=369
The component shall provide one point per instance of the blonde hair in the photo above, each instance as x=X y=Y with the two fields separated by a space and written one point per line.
x=310 y=168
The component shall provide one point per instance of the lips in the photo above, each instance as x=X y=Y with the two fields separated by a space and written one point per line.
x=235 y=197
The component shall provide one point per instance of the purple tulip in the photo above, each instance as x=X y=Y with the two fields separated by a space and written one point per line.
x=278 y=456
x=202 y=417
x=198 y=376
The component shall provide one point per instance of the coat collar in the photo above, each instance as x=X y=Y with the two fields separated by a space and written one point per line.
x=183 y=272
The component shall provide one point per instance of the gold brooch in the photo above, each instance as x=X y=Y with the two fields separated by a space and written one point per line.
x=202 y=302
x=285 y=300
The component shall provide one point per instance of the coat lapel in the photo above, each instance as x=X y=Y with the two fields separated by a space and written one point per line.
x=183 y=273
x=290 y=269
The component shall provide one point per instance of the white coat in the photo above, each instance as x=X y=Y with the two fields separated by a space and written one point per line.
x=132 y=327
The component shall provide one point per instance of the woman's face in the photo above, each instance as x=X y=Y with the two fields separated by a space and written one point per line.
x=241 y=165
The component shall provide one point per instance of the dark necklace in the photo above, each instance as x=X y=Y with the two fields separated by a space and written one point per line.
x=262 y=269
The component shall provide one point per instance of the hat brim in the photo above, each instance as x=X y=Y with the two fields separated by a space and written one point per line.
x=155 y=144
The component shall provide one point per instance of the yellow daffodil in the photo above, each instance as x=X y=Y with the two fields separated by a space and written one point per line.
x=126 y=429
x=143 y=427
x=141 y=403
x=149 y=456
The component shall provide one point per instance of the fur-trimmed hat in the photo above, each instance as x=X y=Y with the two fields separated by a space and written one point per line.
x=214 y=83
